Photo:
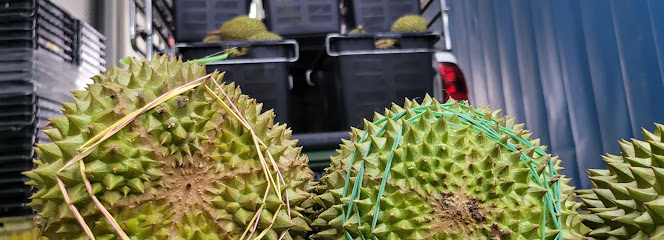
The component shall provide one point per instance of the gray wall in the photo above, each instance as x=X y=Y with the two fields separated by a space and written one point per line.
x=582 y=75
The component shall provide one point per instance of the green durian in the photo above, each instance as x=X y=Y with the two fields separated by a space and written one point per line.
x=359 y=29
x=627 y=199
x=410 y=23
x=241 y=28
x=385 y=43
x=185 y=169
x=212 y=36
x=265 y=36
x=442 y=179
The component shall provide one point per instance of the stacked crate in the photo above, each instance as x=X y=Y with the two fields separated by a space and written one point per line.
x=91 y=53
x=39 y=46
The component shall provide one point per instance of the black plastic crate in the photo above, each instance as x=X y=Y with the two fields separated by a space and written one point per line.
x=90 y=46
x=16 y=9
x=40 y=72
x=17 y=35
x=16 y=151
x=262 y=73
x=302 y=17
x=194 y=18
x=57 y=13
x=47 y=26
x=379 y=15
x=16 y=163
x=24 y=24
x=23 y=210
x=17 y=99
x=367 y=79
x=14 y=195
x=12 y=179
x=26 y=133
x=8 y=6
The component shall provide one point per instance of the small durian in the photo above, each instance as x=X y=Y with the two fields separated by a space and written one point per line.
x=358 y=30
x=237 y=52
x=212 y=36
x=410 y=23
x=241 y=28
x=386 y=43
x=265 y=36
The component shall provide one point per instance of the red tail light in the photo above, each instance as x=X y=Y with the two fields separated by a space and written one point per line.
x=453 y=81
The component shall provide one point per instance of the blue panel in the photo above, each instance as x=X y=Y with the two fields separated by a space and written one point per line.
x=607 y=81
x=578 y=86
x=529 y=75
x=487 y=32
x=560 y=131
x=459 y=36
x=509 y=73
x=656 y=12
x=581 y=74
x=480 y=87
x=640 y=63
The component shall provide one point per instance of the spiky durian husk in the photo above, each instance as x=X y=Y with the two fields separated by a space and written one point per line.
x=410 y=23
x=241 y=28
x=183 y=170
x=446 y=181
x=626 y=201
x=265 y=36
x=212 y=36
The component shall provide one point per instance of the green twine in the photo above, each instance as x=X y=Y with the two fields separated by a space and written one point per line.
x=212 y=58
x=386 y=175
x=552 y=203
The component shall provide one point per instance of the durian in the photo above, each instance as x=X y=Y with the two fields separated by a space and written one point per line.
x=627 y=199
x=185 y=169
x=359 y=29
x=241 y=28
x=410 y=23
x=423 y=172
x=386 y=43
x=264 y=36
x=212 y=36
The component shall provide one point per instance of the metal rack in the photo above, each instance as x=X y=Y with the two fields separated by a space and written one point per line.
x=156 y=35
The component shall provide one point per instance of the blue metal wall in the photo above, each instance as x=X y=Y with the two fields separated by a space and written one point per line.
x=581 y=75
